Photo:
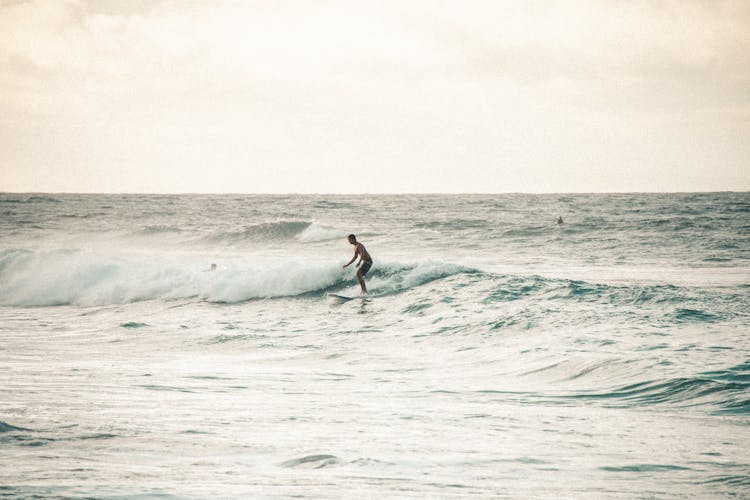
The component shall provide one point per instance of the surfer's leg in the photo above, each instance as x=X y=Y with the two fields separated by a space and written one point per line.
x=361 y=280
x=363 y=268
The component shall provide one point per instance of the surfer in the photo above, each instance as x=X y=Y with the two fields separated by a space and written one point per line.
x=365 y=261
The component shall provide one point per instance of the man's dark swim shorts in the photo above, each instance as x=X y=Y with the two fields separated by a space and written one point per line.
x=365 y=266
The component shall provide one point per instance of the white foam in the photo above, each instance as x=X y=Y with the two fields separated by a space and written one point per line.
x=319 y=232
x=391 y=277
x=54 y=277
x=272 y=278
x=116 y=276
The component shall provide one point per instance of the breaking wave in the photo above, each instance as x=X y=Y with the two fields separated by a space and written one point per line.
x=61 y=277
x=275 y=232
x=266 y=231
x=99 y=277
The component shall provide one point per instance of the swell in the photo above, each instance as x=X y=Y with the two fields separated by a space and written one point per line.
x=158 y=229
x=724 y=397
x=5 y=427
x=86 y=278
x=722 y=392
x=81 y=277
x=6 y=198
x=266 y=231
x=676 y=304
x=32 y=438
x=276 y=232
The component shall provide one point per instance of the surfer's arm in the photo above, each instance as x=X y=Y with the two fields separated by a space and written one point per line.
x=353 y=259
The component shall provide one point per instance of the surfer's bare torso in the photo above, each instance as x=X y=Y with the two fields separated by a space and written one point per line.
x=359 y=249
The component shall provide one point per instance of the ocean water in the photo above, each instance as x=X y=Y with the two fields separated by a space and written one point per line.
x=498 y=354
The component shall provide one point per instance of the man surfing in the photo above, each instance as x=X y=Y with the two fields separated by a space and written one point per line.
x=364 y=264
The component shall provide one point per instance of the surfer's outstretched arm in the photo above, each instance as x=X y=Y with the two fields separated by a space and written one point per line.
x=353 y=259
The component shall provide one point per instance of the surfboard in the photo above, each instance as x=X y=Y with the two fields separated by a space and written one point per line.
x=337 y=299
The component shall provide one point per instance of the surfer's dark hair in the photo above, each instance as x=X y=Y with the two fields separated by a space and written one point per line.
x=351 y=236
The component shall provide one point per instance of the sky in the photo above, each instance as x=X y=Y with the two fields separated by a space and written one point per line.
x=420 y=96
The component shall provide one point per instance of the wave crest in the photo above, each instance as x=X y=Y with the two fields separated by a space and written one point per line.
x=275 y=232
x=61 y=277
x=266 y=231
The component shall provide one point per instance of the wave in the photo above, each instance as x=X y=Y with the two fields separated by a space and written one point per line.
x=305 y=278
x=91 y=215
x=158 y=229
x=724 y=392
x=4 y=427
x=87 y=278
x=319 y=232
x=726 y=397
x=328 y=204
x=266 y=231
x=685 y=315
x=29 y=199
x=287 y=230
x=527 y=232
x=311 y=461
x=454 y=224
x=103 y=276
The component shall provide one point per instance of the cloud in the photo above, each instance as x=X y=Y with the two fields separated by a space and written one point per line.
x=394 y=85
x=333 y=41
x=582 y=40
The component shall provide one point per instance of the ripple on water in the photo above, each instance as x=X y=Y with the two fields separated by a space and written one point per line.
x=730 y=480
x=311 y=462
x=4 y=427
x=133 y=324
x=644 y=468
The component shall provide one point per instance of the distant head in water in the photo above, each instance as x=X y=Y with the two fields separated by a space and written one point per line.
x=559 y=220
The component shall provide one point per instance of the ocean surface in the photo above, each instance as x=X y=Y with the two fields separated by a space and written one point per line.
x=498 y=354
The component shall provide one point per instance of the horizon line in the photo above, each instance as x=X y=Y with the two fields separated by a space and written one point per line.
x=414 y=193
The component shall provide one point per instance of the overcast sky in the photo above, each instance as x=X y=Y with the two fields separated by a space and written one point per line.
x=374 y=96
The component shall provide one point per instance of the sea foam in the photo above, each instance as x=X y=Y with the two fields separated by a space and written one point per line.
x=80 y=277
x=101 y=277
